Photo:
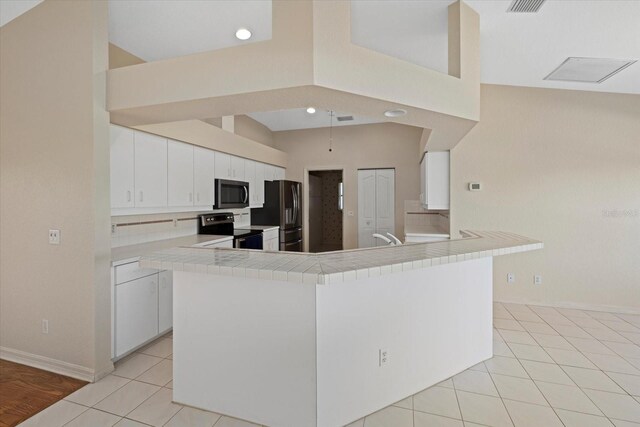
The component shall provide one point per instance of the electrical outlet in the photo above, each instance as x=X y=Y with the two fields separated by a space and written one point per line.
x=54 y=237
x=383 y=357
x=349 y=213
x=537 y=280
x=114 y=227
x=45 y=326
x=511 y=278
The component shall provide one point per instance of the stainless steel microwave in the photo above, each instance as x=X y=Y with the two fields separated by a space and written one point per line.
x=231 y=194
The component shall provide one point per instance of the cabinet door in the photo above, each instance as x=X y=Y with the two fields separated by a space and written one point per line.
x=437 y=180
x=122 y=167
x=272 y=245
x=203 y=176
x=223 y=166
x=259 y=187
x=136 y=313
x=180 y=173
x=150 y=170
x=269 y=172
x=279 y=173
x=165 y=301
x=237 y=168
x=250 y=177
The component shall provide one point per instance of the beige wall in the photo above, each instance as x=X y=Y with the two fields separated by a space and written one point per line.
x=553 y=165
x=54 y=155
x=383 y=145
x=119 y=57
x=253 y=130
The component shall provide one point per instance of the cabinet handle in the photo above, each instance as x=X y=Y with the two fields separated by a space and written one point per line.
x=198 y=196
x=228 y=172
x=141 y=196
x=128 y=195
x=191 y=197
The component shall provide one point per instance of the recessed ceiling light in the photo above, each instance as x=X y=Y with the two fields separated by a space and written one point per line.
x=395 y=113
x=243 y=34
x=588 y=70
x=311 y=110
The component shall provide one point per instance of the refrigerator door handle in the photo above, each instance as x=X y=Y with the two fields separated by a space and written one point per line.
x=295 y=204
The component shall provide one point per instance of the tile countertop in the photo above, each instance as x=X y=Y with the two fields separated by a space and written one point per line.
x=131 y=253
x=335 y=267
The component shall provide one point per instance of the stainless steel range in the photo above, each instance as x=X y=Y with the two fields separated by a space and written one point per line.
x=222 y=224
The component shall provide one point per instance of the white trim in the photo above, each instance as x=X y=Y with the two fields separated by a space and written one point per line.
x=573 y=305
x=48 y=364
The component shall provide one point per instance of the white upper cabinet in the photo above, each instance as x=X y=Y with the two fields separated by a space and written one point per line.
x=150 y=171
x=237 y=168
x=435 y=180
x=203 y=176
x=180 y=173
x=269 y=172
x=223 y=166
x=250 y=177
x=259 y=186
x=122 y=167
x=150 y=174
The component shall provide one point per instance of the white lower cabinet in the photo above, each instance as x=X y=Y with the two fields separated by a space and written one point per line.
x=270 y=240
x=165 y=301
x=136 y=313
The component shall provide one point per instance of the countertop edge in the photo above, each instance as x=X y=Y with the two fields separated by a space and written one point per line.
x=487 y=244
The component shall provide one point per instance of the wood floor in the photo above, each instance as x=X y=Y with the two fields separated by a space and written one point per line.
x=25 y=391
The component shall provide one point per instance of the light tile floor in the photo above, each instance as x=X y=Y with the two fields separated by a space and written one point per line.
x=551 y=367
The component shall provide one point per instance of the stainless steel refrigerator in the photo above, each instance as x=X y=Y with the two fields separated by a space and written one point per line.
x=282 y=207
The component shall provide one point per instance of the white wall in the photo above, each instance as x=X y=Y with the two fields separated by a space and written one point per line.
x=562 y=167
x=434 y=322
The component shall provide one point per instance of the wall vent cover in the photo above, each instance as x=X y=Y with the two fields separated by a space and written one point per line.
x=525 y=6
x=344 y=118
x=588 y=70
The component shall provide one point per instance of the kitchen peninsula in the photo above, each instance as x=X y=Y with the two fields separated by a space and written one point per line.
x=296 y=339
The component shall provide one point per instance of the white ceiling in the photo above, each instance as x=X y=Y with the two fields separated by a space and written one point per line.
x=517 y=49
x=299 y=119
x=161 y=29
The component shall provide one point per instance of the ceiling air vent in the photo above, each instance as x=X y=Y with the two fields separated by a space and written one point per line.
x=588 y=70
x=525 y=6
x=344 y=118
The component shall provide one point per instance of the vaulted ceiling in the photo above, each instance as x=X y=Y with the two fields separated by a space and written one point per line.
x=516 y=49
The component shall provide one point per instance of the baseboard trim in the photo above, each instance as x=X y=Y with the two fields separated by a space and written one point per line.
x=48 y=364
x=574 y=305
